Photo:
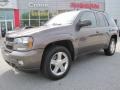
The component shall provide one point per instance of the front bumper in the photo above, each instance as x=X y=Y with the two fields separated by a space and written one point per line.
x=29 y=60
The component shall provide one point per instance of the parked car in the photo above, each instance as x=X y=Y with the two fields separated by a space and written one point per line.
x=3 y=33
x=52 y=47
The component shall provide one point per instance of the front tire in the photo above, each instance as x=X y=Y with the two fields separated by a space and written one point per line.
x=111 y=48
x=57 y=62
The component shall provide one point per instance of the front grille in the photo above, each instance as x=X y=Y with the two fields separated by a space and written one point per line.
x=9 y=43
x=9 y=47
x=9 y=39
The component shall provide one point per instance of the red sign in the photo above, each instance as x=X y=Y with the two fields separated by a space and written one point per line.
x=85 y=5
x=16 y=18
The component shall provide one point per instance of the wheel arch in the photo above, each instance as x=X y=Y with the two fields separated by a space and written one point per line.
x=66 y=43
x=115 y=37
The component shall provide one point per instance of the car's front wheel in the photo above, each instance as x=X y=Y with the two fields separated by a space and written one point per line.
x=57 y=62
x=112 y=47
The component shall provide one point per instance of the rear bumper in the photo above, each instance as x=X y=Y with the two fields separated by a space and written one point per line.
x=29 y=60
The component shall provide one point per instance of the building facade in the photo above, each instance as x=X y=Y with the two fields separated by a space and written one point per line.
x=8 y=12
x=16 y=13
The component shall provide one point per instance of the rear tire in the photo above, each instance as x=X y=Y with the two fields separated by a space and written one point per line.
x=57 y=62
x=111 y=48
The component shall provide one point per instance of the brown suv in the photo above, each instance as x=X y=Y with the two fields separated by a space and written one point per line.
x=61 y=40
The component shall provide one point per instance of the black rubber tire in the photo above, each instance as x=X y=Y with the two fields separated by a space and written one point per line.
x=108 y=51
x=47 y=58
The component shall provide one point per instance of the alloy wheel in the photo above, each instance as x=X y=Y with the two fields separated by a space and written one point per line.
x=59 y=63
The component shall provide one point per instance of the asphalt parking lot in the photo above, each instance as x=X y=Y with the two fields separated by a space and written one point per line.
x=91 y=72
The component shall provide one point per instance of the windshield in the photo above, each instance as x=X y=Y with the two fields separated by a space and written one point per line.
x=64 y=18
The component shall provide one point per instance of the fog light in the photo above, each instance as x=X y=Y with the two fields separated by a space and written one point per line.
x=20 y=63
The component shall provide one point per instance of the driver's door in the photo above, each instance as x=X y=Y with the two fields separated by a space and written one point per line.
x=87 y=35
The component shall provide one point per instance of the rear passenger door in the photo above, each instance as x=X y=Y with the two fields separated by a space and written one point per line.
x=103 y=28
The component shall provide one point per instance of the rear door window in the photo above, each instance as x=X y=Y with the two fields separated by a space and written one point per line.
x=101 y=20
x=110 y=21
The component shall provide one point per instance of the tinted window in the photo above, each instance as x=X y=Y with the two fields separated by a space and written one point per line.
x=89 y=16
x=102 y=22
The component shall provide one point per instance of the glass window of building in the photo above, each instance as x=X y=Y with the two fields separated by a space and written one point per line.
x=24 y=14
x=2 y=15
x=6 y=20
x=44 y=15
x=34 y=22
x=34 y=14
x=52 y=13
x=42 y=22
x=9 y=15
x=34 y=17
x=24 y=22
x=61 y=11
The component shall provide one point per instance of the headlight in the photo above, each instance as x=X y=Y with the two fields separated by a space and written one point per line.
x=23 y=43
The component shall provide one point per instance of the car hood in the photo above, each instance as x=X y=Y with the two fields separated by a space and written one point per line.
x=31 y=31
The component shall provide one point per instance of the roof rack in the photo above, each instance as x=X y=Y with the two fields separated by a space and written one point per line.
x=90 y=9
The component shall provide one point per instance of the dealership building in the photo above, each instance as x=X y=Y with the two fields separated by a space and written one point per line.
x=16 y=13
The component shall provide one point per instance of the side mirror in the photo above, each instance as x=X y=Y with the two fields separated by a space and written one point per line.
x=83 y=23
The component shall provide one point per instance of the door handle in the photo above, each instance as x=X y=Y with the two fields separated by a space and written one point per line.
x=97 y=32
